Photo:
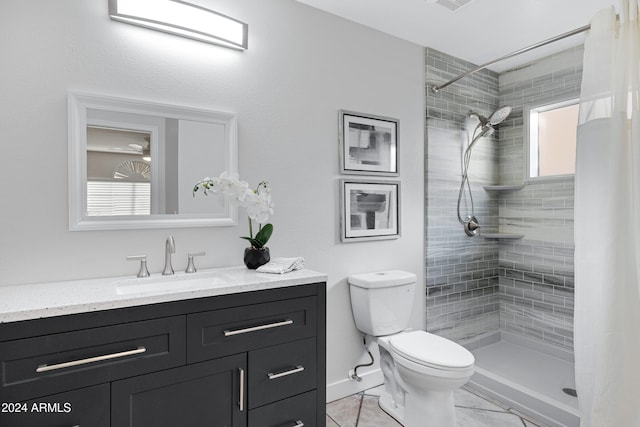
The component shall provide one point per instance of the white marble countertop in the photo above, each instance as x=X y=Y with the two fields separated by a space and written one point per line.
x=34 y=301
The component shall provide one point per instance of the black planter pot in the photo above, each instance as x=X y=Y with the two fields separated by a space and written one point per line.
x=255 y=257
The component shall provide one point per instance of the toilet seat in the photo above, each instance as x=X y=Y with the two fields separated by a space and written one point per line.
x=431 y=351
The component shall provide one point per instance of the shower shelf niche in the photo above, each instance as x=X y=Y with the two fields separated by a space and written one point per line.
x=498 y=189
x=504 y=236
x=503 y=188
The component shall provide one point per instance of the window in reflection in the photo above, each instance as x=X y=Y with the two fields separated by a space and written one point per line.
x=118 y=172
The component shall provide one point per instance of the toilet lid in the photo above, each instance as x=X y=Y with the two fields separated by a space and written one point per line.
x=431 y=350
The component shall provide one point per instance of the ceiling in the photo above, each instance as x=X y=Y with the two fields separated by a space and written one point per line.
x=480 y=31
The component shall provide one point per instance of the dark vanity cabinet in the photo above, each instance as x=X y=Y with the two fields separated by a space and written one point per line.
x=252 y=359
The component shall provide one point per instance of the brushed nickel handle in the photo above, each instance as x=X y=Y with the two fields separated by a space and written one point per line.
x=285 y=373
x=229 y=332
x=46 y=368
x=298 y=424
x=191 y=267
x=241 y=401
x=143 y=271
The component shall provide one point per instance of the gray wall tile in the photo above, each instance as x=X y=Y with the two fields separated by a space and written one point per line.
x=477 y=286
x=462 y=276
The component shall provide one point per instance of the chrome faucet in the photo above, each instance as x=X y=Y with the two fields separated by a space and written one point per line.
x=170 y=248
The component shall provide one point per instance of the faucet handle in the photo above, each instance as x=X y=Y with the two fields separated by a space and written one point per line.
x=191 y=267
x=143 y=272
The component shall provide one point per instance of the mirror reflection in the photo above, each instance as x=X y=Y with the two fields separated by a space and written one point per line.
x=118 y=172
x=133 y=164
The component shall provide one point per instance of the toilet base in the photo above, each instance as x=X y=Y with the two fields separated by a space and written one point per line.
x=390 y=407
x=434 y=408
x=428 y=409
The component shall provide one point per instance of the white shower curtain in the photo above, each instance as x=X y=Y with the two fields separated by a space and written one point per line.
x=607 y=223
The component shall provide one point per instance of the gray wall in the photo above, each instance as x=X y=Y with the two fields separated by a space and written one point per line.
x=476 y=286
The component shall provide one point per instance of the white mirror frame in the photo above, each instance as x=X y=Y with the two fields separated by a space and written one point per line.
x=79 y=103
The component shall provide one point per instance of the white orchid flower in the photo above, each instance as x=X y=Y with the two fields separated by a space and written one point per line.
x=258 y=203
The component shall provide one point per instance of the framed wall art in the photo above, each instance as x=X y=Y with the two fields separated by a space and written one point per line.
x=369 y=210
x=368 y=144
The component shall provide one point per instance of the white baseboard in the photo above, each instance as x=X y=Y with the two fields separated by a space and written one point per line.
x=347 y=387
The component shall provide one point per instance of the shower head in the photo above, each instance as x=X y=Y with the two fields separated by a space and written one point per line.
x=486 y=131
x=496 y=118
x=499 y=115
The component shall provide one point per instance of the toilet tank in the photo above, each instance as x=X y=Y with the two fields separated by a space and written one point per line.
x=382 y=301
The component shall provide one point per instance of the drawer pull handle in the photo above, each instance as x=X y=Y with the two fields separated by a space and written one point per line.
x=241 y=401
x=46 y=368
x=298 y=424
x=229 y=332
x=285 y=373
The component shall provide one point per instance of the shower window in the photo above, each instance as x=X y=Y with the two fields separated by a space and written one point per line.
x=552 y=139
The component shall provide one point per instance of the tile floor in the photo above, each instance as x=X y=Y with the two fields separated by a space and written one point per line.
x=472 y=410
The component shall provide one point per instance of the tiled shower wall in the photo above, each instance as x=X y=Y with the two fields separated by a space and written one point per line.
x=462 y=272
x=536 y=273
x=477 y=286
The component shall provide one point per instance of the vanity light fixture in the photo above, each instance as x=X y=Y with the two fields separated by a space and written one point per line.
x=183 y=19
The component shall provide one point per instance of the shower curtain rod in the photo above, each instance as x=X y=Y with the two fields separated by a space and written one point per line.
x=435 y=88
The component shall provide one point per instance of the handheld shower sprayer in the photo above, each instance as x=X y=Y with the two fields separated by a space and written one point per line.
x=485 y=127
x=496 y=118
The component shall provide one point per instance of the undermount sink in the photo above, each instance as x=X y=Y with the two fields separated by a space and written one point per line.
x=175 y=283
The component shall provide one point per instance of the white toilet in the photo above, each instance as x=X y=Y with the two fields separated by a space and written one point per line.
x=421 y=370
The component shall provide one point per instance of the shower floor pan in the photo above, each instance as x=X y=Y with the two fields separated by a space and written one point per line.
x=520 y=373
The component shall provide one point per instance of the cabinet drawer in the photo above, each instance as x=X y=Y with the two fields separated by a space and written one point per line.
x=84 y=407
x=296 y=411
x=234 y=330
x=281 y=371
x=67 y=361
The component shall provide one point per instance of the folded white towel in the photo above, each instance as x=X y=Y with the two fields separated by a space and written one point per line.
x=282 y=265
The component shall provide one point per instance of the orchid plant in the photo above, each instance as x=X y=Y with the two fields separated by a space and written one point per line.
x=257 y=202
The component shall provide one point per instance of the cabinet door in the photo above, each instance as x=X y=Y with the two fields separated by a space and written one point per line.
x=87 y=407
x=211 y=394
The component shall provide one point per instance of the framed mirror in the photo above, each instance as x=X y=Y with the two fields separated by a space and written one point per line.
x=133 y=164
